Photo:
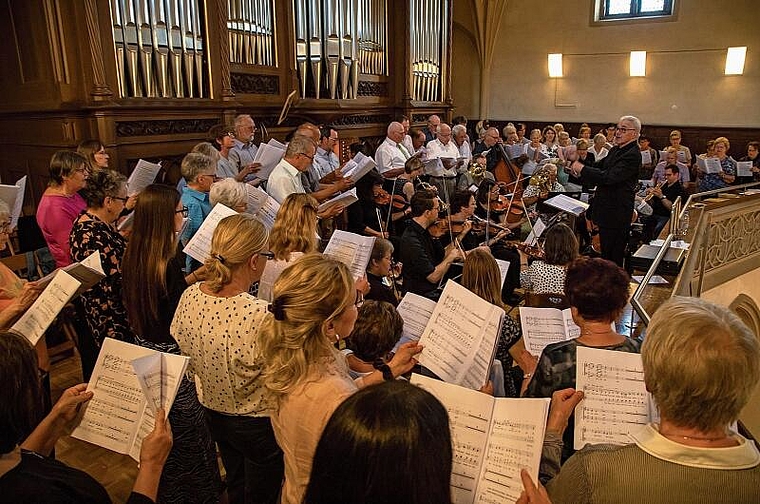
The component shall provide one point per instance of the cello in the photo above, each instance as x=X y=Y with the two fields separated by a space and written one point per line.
x=510 y=175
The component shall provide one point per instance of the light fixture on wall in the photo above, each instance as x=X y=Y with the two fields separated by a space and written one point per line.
x=735 y=60
x=638 y=64
x=555 y=65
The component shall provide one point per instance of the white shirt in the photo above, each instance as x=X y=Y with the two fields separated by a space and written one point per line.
x=436 y=149
x=388 y=156
x=598 y=155
x=466 y=152
x=284 y=180
x=407 y=142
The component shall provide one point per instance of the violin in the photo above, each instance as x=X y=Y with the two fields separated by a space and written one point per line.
x=532 y=251
x=439 y=228
x=382 y=198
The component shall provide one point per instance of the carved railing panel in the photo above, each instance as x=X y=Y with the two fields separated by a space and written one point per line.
x=160 y=48
x=732 y=238
x=428 y=25
x=250 y=26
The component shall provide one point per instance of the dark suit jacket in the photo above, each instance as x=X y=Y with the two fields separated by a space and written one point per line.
x=616 y=177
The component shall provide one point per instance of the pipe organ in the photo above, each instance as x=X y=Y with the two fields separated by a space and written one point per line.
x=159 y=48
x=159 y=73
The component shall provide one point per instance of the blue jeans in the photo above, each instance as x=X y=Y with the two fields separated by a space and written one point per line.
x=251 y=457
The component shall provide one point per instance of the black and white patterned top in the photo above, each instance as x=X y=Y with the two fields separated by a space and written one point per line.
x=543 y=278
x=219 y=335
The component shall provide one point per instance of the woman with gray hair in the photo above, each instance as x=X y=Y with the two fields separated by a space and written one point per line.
x=701 y=364
x=230 y=193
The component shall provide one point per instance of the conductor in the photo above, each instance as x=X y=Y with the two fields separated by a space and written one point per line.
x=615 y=176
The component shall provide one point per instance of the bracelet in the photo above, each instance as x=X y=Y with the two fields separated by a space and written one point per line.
x=387 y=373
x=192 y=273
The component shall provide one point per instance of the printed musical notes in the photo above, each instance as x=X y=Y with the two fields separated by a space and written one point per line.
x=352 y=250
x=120 y=414
x=346 y=198
x=543 y=326
x=416 y=311
x=268 y=155
x=199 y=245
x=460 y=337
x=262 y=206
x=38 y=317
x=615 y=402
x=142 y=176
x=492 y=440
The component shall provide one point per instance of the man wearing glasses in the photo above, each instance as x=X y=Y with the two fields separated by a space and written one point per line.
x=494 y=155
x=616 y=178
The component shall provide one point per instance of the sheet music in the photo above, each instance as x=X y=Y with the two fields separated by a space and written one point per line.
x=646 y=157
x=615 y=398
x=18 y=204
x=535 y=232
x=268 y=154
x=352 y=250
x=743 y=169
x=460 y=337
x=117 y=417
x=492 y=440
x=416 y=311
x=515 y=151
x=88 y=272
x=142 y=176
x=148 y=373
x=681 y=156
x=199 y=245
x=127 y=222
x=709 y=165
x=568 y=204
x=10 y=194
x=262 y=206
x=503 y=269
x=358 y=167
x=38 y=317
x=346 y=198
x=544 y=326
x=515 y=442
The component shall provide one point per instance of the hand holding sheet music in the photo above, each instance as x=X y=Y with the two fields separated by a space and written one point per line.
x=352 y=250
x=142 y=176
x=199 y=245
x=38 y=317
x=262 y=206
x=544 y=326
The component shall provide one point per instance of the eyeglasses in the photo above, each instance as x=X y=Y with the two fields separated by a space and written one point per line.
x=359 y=299
x=182 y=211
x=212 y=175
x=230 y=134
x=621 y=128
x=311 y=158
x=266 y=253
x=333 y=139
x=120 y=198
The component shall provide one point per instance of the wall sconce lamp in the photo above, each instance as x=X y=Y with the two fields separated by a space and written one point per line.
x=735 y=60
x=638 y=64
x=555 y=65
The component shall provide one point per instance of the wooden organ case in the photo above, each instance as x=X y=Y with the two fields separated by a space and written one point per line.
x=150 y=77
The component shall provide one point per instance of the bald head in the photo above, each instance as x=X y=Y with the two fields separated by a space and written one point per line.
x=444 y=133
x=309 y=130
x=396 y=132
x=491 y=137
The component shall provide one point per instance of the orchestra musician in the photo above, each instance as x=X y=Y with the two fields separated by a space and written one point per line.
x=616 y=178
x=661 y=198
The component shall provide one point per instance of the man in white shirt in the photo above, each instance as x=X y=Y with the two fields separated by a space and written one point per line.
x=325 y=161
x=459 y=136
x=443 y=147
x=391 y=155
x=285 y=179
x=407 y=142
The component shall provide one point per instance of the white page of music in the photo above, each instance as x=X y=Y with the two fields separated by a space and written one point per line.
x=515 y=442
x=268 y=154
x=743 y=169
x=345 y=198
x=38 y=317
x=118 y=417
x=503 y=269
x=469 y=419
x=544 y=326
x=18 y=204
x=535 y=232
x=415 y=310
x=710 y=165
x=199 y=245
x=615 y=399
x=142 y=176
x=262 y=206
x=461 y=328
x=363 y=166
x=352 y=250
x=646 y=157
x=568 y=204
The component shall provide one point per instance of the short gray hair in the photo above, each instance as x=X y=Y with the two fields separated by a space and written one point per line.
x=701 y=363
x=229 y=192
x=194 y=164
x=299 y=144
x=457 y=129
x=240 y=118
x=208 y=149
x=632 y=119
x=394 y=126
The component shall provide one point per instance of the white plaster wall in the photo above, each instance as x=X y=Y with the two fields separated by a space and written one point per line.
x=684 y=84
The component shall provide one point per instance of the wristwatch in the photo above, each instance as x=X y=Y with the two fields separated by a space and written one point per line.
x=386 y=370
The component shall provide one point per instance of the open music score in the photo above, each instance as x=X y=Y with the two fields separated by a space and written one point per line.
x=268 y=155
x=13 y=196
x=358 y=167
x=460 y=337
x=199 y=245
x=492 y=440
x=262 y=206
x=345 y=198
x=416 y=311
x=88 y=272
x=38 y=317
x=142 y=176
x=616 y=401
x=120 y=414
x=351 y=249
x=544 y=326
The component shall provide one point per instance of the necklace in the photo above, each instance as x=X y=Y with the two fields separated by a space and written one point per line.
x=695 y=438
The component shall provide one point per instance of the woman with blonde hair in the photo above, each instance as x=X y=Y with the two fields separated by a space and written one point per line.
x=727 y=175
x=314 y=306
x=294 y=234
x=216 y=324
x=481 y=277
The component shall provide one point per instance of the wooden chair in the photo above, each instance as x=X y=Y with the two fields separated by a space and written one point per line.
x=19 y=264
x=546 y=300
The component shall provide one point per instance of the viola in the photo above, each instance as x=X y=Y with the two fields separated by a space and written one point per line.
x=381 y=197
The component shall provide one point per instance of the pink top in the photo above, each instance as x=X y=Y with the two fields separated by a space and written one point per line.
x=55 y=216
